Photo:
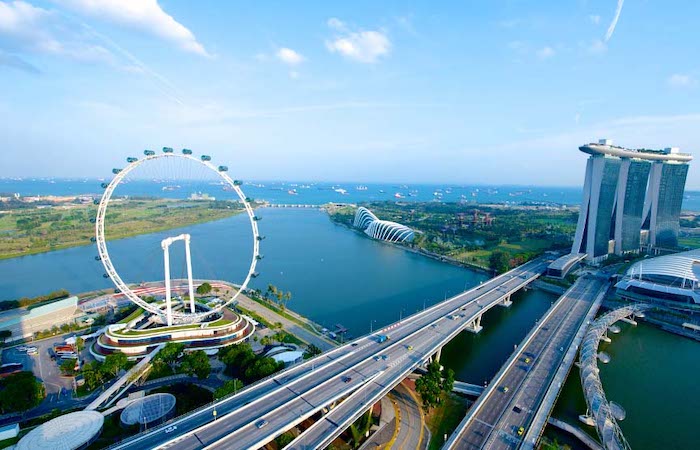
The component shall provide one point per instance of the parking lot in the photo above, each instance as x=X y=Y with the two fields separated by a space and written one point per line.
x=58 y=388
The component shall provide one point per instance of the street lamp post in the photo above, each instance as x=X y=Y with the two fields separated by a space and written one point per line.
x=371 y=322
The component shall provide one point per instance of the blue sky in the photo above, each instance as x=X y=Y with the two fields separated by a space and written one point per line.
x=465 y=92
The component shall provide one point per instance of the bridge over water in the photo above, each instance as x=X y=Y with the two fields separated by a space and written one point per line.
x=514 y=409
x=360 y=373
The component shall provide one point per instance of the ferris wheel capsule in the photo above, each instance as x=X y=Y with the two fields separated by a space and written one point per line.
x=206 y=158
x=167 y=150
x=131 y=159
x=186 y=151
x=149 y=152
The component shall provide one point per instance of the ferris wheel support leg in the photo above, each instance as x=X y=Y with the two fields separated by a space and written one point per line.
x=168 y=301
x=189 y=272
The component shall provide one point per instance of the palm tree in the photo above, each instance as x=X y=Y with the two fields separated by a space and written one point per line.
x=271 y=290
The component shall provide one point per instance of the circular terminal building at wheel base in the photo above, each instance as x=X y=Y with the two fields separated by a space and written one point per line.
x=68 y=432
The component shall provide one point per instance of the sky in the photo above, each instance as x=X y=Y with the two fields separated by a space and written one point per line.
x=496 y=92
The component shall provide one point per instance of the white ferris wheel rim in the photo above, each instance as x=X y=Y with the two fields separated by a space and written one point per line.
x=107 y=262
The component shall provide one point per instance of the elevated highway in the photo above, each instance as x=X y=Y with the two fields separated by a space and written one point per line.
x=511 y=408
x=361 y=372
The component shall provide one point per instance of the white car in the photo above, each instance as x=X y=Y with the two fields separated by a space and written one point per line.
x=171 y=429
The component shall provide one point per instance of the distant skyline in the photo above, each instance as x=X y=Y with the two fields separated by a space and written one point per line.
x=494 y=93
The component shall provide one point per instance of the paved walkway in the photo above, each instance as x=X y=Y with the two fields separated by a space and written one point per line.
x=576 y=431
x=290 y=326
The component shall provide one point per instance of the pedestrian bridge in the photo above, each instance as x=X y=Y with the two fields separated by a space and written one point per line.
x=600 y=412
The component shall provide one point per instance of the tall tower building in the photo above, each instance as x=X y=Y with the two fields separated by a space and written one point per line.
x=626 y=192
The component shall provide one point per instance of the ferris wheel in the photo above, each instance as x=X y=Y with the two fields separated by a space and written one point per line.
x=219 y=173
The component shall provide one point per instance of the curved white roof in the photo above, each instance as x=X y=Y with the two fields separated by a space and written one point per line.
x=288 y=357
x=66 y=432
x=363 y=217
x=147 y=409
x=389 y=231
x=381 y=229
x=678 y=265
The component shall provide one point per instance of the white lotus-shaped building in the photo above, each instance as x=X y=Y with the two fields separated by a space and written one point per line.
x=384 y=230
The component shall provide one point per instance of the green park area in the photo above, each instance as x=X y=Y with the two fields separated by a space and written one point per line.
x=25 y=231
x=495 y=237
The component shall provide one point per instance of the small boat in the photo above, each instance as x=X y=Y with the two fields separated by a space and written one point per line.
x=341 y=191
x=361 y=188
x=292 y=192
x=398 y=195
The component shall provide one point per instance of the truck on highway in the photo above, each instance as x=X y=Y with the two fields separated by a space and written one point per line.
x=381 y=338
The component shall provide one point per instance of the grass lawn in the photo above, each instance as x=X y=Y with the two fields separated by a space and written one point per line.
x=445 y=418
x=30 y=231
x=481 y=256
x=689 y=241
x=137 y=312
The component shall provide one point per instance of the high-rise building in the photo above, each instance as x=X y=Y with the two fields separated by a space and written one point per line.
x=631 y=198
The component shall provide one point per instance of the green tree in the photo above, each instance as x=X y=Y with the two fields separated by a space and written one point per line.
x=170 y=354
x=271 y=291
x=278 y=337
x=93 y=375
x=280 y=297
x=433 y=384
x=79 y=344
x=204 y=288
x=237 y=358
x=262 y=368
x=499 y=261
x=360 y=428
x=284 y=439
x=196 y=363
x=114 y=362
x=19 y=392
x=311 y=351
x=230 y=387
x=68 y=367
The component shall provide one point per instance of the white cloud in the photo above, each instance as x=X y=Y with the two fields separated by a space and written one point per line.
x=594 y=18
x=336 y=24
x=26 y=29
x=289 y=56
x=678 y=80
x=545 y=53
x=361 y=46
x=613 y=24
x=143 y=15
